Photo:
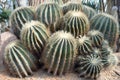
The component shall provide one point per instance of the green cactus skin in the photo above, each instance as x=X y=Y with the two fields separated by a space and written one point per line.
x=96 y=38
x=48 y=13
x=19 y=17
x=109 y=61
x=90 y=12
x=89 y=67
x=18 y=60
x=74 y=22
x=59 y=53
x=106 y=24
x=34 y=36
x=84 y=45
x=71 y=6
x=60 y=2
x=105 y=43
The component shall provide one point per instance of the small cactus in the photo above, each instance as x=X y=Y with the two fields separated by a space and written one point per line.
x=96 y=38
x=74 y=22
x=48 y=13
x=59 y=53
x=109 y=61
x=34 y=36
x=90 y=12
x=71 y=6
x=84 y=46
x=19 y=17
x=107 y=25
x=18 y=60
x=105 y=43
x=105 y=51
x=89 y=67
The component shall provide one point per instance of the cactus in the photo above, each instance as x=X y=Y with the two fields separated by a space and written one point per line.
x=109 y=61
x=105 y=51
x=84 y=46
x=60 y=2
x=34 y=36
x=105 y=43
x=75 y=22
x=71 y=6
x=90 y=12
x=59 y=53
x=18 y=60
x=106 y=24
x=89 y=67
x=19 y=17
x=96 y=38
x=48 y=13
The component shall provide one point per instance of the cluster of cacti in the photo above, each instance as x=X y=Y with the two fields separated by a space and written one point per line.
x=90 y=12
x=89 y=67
x=106 y=24
x=34 y=36
x=19 y=17
x=71 y=40
x=48 y=13
x=59 y=53
x=75 y=22
x=71 y=6
x=18 y=60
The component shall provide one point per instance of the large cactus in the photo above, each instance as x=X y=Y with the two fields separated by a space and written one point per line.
x=90 y=12
x=84 y=46
x=89 y=67
x=106 y=24
x=59 y=53
x=19 y=17
x=34 y=36
x=96 y=38
x=71 y=6
x=75 y=22
x=18 y=60
x=48 y=13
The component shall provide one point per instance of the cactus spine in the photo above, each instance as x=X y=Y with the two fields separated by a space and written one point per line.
x=34 y=36
x=89 y=67
x=18 y=60
x=49 y=13
x=59 y=53
x=96 y=38
x=84 y=46
x=75 y=22
x=90 y=12
x=19 y=17
x=106 y=24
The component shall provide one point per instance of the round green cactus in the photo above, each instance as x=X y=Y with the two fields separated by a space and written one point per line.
x=84 y=46
x=34 y=36
x=90 y=12
x=105 y=43
x=109 y=61
x=74 y=22
x=59 y=53
x=48 y=13
x=106 y=24
x=89 y=67
x=60 y=2
x=19 y=17
x=18 y=60
x=71 y=6
x=105 y=51
x=96 y=38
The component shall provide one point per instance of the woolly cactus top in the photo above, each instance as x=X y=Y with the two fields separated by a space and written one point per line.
x=82 y=40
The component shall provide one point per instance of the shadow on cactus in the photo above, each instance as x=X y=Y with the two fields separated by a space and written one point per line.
x=34 y=36
x=59 y=53
x=19 y=17
x=18 y=60
x=74 y=22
